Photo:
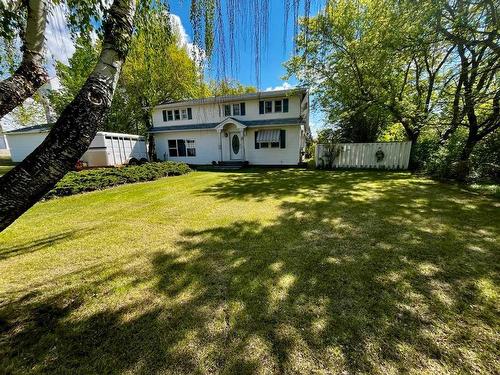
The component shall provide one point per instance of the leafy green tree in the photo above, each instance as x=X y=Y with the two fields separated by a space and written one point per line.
x=379 y=58
x=73 y=76
x=431 y=66
x=68 y=139
x=474 y=28
x=227 y=87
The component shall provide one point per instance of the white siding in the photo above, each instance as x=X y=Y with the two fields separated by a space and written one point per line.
x=206 y=143
x=100 y=153
x=207 y=147
x=21 y=145
x=209 y=113
x=274 y=156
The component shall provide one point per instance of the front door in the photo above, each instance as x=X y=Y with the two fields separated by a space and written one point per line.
x=235 y=146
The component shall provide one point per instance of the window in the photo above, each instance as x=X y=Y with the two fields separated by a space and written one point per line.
x=285 y=105
x=172 y=147
x=177 y=114
x=236 y=109
x=277 y=106
x=280 y=105
x=227 y=110
x=181 y=147
x=268 y=107
x=190 y=146
x=272 y=138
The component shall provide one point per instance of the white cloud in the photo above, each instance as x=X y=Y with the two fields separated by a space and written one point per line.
x=284 y=86
x=197 y=53
x=60 y=46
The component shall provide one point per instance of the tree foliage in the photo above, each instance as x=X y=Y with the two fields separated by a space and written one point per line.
x=431 y=66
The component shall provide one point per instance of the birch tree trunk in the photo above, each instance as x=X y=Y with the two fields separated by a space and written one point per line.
x=31 y=74
x=70 y=137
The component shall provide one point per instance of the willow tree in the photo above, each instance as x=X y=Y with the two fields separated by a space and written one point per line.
x=69 y=138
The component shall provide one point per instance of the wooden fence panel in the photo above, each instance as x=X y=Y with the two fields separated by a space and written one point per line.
x=363 y=155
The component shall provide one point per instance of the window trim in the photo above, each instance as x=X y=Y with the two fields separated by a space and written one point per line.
x=274 y=145
x=280 y=101
x=234 y=107
x=182 y=146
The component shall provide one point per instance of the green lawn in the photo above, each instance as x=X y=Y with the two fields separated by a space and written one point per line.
x=288 y=271
x=5 y=168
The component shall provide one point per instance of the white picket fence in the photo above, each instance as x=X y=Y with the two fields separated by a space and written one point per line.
x=363 y=155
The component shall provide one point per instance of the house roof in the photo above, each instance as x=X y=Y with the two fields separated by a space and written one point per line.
x=213 y=125
x=40 y=128
x=232 y=98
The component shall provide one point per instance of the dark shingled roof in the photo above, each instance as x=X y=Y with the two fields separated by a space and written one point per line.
x=213 y=125
x=230 y=98
x=32 y=129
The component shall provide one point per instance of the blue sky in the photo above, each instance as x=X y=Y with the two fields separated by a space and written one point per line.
x=272 y=58
x=275 y=53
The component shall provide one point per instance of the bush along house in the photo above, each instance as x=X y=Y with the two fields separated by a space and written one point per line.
x=264 y=128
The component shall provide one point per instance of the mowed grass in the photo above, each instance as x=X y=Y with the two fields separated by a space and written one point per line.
x=5 y=168
x=263 y=272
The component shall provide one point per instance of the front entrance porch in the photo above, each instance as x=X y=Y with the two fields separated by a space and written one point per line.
x=231 y=141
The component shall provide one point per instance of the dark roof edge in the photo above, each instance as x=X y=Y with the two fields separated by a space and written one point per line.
x=249 y=123
x=229 y=98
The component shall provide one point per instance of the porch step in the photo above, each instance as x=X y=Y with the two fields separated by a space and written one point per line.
x=230 y=165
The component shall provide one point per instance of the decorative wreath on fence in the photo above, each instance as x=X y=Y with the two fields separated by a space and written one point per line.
x=379 y=155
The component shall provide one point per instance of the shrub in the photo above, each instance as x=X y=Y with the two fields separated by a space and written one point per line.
x=102 y=178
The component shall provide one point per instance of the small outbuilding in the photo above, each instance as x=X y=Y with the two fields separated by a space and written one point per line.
x=106 y=149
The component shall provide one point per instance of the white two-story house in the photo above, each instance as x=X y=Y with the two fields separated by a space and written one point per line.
x=265 y=128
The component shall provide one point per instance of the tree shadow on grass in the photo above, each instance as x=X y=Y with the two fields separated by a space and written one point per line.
x=40 y=243
x=368 y=273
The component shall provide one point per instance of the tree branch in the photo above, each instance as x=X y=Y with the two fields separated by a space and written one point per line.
x=70 y=137
x=31 y=74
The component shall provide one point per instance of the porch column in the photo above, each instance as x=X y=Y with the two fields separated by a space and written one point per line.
x=242 y=136
x=220 y=144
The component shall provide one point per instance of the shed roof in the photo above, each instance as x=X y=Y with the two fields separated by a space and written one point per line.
x=40 y=128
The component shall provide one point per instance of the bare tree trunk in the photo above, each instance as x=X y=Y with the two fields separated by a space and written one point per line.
x=31 y=74
x=70 y=137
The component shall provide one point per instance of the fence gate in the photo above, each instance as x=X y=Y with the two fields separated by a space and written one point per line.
x=383 y=155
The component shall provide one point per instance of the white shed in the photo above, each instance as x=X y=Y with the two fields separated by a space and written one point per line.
x=106 y=149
